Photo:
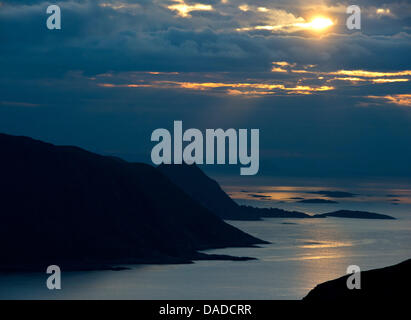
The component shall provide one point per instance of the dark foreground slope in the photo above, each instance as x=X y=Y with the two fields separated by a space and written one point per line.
x=386 y=284
x=207 y=191
x=67 y=205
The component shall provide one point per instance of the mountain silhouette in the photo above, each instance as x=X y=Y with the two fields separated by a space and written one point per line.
x=208 y=192
x=62 y=204
x=386 y=284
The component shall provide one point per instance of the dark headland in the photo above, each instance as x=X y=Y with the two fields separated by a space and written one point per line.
x=386 y=284
x=64 y=205
x=67 y=206
x=355 y=215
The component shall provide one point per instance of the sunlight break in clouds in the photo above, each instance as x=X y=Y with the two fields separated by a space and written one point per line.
x=383 y=80
x=244 y=7
x=246 y=89
x=398 y=99
x=270 y=19
x=383 y=11
x=183 y=9
x=353 y=76
x=372 y=74
x=120 y=5
x=284 y=66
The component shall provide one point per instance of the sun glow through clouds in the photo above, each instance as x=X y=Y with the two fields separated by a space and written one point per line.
x=282 y=21
x=318 y=23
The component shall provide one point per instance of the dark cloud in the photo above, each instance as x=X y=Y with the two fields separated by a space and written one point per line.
x=317 y=201
x=335 y=194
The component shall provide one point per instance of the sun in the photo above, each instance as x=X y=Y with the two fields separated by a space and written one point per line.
x=320 y=23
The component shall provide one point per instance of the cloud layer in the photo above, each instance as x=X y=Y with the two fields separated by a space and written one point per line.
x=327 y=97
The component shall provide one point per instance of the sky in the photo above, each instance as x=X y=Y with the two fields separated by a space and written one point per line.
x=329 y=102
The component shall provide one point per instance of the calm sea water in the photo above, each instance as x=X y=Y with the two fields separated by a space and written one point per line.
x=302 y=254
